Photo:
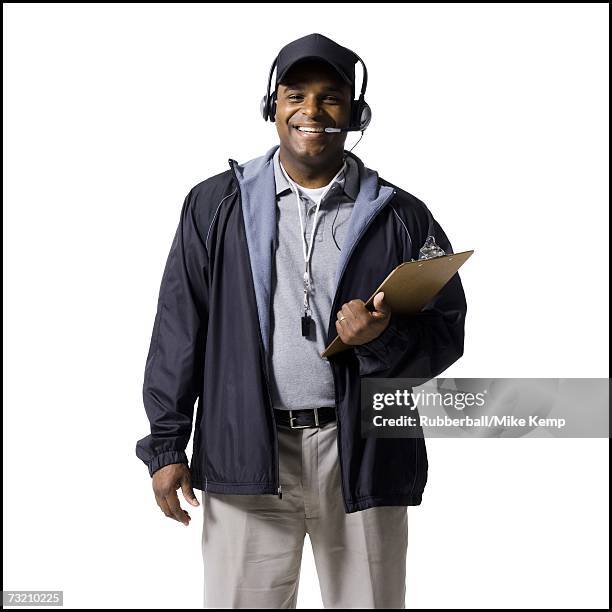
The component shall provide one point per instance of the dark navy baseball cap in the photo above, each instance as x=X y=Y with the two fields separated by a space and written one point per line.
x=317 y=46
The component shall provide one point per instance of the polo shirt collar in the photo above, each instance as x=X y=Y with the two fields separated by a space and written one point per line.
x=351 y=180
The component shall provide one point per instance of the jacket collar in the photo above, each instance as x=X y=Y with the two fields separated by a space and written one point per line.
x=258 y=197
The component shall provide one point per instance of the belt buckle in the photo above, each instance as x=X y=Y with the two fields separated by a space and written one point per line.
x=292 y=418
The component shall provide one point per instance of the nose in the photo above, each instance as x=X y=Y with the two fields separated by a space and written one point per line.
x=311 y=106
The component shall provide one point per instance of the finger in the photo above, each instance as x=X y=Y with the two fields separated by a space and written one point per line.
x=347 y=312
x=175 y=508
x=379 y=315
x=161 y=502
x=359 y=313
x=347 y=328
x=358 y=318
x=188 y=492
x=356 y=305
x=382 y=308
x=341 y=333
x=350 y=310
x=350 y=324
x=343 y=315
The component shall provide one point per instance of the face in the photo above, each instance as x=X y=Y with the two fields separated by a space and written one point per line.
x=312 y=95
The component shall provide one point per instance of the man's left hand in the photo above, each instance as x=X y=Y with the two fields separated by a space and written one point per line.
x=356 y=324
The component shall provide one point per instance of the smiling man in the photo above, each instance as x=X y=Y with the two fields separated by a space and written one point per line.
x=271 y=260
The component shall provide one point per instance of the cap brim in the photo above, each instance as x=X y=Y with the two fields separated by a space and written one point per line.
x=341 y=73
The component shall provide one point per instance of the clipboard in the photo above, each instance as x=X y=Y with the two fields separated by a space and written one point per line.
x=410 y=287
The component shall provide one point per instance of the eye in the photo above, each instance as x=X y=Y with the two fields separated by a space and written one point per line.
x=298 y=96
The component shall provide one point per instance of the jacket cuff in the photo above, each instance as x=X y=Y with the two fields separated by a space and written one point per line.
x=166 y=458
x=380 y=343
x=373 y=356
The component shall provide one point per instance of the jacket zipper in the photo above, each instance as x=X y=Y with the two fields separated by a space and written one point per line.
x=338 y=420
x=333 y=310
x=279 y=490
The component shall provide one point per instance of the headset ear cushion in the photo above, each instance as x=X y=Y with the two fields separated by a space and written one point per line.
x=262 y=108
x=366 y=116
x=272 y=112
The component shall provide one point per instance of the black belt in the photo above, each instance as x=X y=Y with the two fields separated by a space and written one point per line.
x=300 y=419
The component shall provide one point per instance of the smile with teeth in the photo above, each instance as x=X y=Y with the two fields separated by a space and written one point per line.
x=310 y=130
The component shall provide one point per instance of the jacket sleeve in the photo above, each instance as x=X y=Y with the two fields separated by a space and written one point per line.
x=174 y=366
x=423 y=345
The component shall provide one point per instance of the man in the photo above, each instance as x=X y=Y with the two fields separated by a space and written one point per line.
x=271 y=260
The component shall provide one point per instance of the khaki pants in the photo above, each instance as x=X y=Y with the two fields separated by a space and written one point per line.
x=252 y=544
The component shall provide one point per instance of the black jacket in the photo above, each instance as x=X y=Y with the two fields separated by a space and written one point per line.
x=211 y=335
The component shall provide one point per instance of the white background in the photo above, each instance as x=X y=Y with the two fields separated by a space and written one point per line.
x=496 y=116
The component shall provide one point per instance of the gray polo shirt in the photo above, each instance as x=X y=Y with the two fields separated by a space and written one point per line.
x=300 y=377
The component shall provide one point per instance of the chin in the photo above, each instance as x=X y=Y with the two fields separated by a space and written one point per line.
x=312 y=151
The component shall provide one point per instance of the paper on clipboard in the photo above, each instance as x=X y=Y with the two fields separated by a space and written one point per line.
x=410 y=287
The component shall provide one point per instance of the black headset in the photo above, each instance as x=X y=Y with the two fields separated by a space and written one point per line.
x=361 y=114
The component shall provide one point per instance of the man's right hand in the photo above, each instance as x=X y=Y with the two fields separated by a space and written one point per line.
x=166 y=481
